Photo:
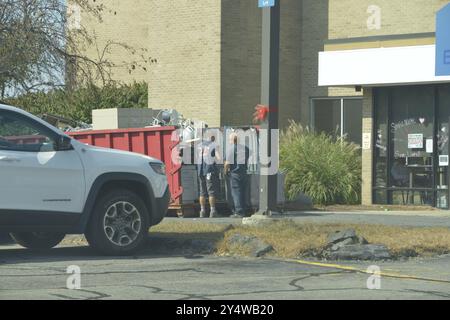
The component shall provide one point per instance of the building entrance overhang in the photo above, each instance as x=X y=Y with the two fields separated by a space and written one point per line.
x=380 y=67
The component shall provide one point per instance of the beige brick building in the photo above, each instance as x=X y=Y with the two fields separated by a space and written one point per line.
x=208 y=54
x=341 y=70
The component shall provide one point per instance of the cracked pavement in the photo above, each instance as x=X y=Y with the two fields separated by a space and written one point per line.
x=27 y=275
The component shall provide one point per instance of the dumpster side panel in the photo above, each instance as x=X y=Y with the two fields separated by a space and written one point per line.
x=172 y=140
x=154 y=142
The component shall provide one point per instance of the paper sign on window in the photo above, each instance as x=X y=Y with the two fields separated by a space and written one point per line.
x=367 y=139
x=415 y=141
x=429 y=145
x=443 y=161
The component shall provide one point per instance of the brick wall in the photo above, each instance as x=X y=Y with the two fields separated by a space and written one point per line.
x=208 y=55
x=367 y=154
x=290 y=61
x=314 y=33
x=241 y=60
x=185 y=37
x=121 y=23
x=348 y=18
x=316 y=30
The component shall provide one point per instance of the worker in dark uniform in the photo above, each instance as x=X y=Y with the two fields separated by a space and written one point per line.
x=208 y=175
x=236 y=166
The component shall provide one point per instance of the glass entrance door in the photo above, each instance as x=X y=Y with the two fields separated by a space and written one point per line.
x=411 y=156
x=412 y=146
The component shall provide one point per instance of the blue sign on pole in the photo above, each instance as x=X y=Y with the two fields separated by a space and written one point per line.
x=443 y=41
x=266 y=3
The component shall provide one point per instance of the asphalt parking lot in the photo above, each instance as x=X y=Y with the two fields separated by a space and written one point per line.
x=27 y=275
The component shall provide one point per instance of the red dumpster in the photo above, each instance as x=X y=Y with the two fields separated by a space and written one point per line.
x=155 y=142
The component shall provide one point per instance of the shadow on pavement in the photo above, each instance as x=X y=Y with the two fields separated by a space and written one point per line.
x=17 y=255
x=189 y=246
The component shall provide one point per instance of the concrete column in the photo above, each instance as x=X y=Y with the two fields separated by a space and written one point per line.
x=367 y=153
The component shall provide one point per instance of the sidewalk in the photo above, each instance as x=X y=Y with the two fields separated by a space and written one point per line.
x=429 y=213
x=392 y=218
x=399 y=218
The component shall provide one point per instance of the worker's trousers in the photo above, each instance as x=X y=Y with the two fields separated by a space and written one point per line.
x=238 y=192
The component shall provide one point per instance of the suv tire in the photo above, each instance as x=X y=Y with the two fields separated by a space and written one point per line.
x=119 y=223
x=38 y=240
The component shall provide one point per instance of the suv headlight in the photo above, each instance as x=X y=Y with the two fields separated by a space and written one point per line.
x=159 y=168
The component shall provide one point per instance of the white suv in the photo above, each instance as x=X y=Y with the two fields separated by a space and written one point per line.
x=52 y=185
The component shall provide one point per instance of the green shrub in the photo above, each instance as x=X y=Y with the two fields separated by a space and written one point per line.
x=78 y=104
x=325 y=168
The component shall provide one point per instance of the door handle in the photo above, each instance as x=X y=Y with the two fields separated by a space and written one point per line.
x=9 y=159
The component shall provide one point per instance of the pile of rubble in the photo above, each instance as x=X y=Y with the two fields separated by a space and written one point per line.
x=256 y=246
x=347 y=245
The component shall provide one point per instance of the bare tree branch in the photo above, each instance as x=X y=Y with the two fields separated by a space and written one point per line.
x=38 y=50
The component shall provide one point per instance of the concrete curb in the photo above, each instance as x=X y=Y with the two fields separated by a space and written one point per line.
x=437 y=214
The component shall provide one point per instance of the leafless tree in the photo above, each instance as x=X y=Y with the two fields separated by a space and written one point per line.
x=40 y=51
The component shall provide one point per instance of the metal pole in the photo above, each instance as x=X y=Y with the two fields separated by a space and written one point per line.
x=269 y=97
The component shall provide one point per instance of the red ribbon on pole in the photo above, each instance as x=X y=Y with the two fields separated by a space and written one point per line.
x=261 y=113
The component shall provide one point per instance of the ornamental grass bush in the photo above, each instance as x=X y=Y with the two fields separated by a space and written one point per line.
x=325 y=168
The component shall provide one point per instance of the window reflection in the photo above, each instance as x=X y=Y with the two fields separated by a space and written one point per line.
x=340 y=117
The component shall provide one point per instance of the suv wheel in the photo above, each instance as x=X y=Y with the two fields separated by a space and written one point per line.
x=38 y=240
x=119 y=223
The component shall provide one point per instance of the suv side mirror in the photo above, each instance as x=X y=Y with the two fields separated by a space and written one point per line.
x=64 y=143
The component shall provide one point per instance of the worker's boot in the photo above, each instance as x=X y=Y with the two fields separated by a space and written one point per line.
x=213 y=213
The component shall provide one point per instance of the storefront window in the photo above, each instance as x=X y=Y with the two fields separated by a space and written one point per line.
x=327 y=116
x=353 y=120
x=341 y=117
x=411 y=145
